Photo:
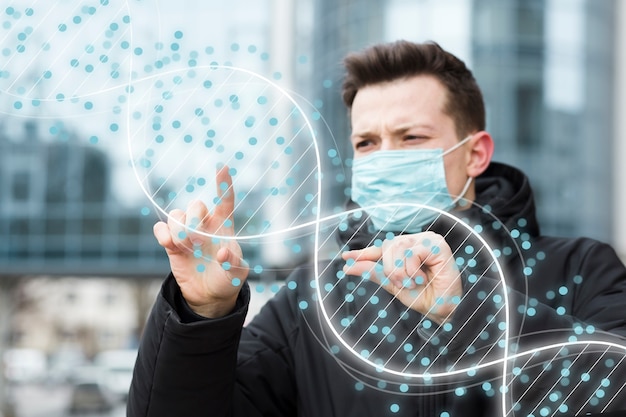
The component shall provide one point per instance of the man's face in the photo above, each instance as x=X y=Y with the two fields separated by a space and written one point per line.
x=408 y=114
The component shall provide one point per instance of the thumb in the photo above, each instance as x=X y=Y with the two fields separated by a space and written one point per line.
x=230 y=261
x=364 y=269
x=371 y=253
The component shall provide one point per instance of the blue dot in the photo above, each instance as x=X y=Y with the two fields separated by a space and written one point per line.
x=303 y=305
x=226 y=266
x=394 y=408
x=236 y=282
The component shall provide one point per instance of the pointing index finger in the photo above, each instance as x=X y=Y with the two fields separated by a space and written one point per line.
x=225 y=204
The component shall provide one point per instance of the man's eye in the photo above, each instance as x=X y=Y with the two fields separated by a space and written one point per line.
x=363 y=144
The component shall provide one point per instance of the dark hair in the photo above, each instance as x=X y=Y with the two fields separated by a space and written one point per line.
x=391 y=61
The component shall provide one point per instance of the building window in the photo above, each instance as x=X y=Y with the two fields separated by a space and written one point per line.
x=529 y=116
x=20 y=186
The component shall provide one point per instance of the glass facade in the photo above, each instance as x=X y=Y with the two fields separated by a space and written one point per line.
x=546 y=69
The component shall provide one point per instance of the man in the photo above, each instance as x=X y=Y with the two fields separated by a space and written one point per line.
x=478 y=317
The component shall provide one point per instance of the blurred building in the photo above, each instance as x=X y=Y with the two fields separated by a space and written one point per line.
x=58 y=216
x=57 y=314
x=547 y=69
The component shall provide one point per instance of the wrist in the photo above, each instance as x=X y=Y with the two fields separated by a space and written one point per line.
x=213 y=310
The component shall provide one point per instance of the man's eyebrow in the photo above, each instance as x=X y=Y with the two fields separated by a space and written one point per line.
x=362 y=134
x=408 y=126
x=396 y=130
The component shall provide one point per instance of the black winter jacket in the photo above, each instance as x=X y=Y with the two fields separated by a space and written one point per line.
x=539 y=332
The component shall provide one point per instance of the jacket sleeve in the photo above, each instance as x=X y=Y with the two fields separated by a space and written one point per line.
x=186 y=364
x=592 y=281
x=192 y=366
x=572 y=352
x=600 y=294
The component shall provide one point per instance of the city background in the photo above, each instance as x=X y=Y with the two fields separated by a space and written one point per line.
x=79 y=267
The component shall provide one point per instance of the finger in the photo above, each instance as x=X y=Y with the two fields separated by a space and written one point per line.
x=373 y=271
x=163 y=236
x=197 y=214
x=176 y=223
x=365 y=269
x=225 y=254
x=393 y=267
x=371 y=253
x=225 y=203
x=414 y=265
x=232 y=263
x=402 y=252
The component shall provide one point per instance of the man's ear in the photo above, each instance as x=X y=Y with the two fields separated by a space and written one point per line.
x=481 y=150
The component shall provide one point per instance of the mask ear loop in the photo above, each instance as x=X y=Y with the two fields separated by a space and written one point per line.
x=458 y=145
x=469 y=179
x=463 y=191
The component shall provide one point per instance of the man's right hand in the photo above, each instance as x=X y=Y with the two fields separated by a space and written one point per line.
x=209 y=271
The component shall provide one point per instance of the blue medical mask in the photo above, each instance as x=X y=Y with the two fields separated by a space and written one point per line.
x=383 y=179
